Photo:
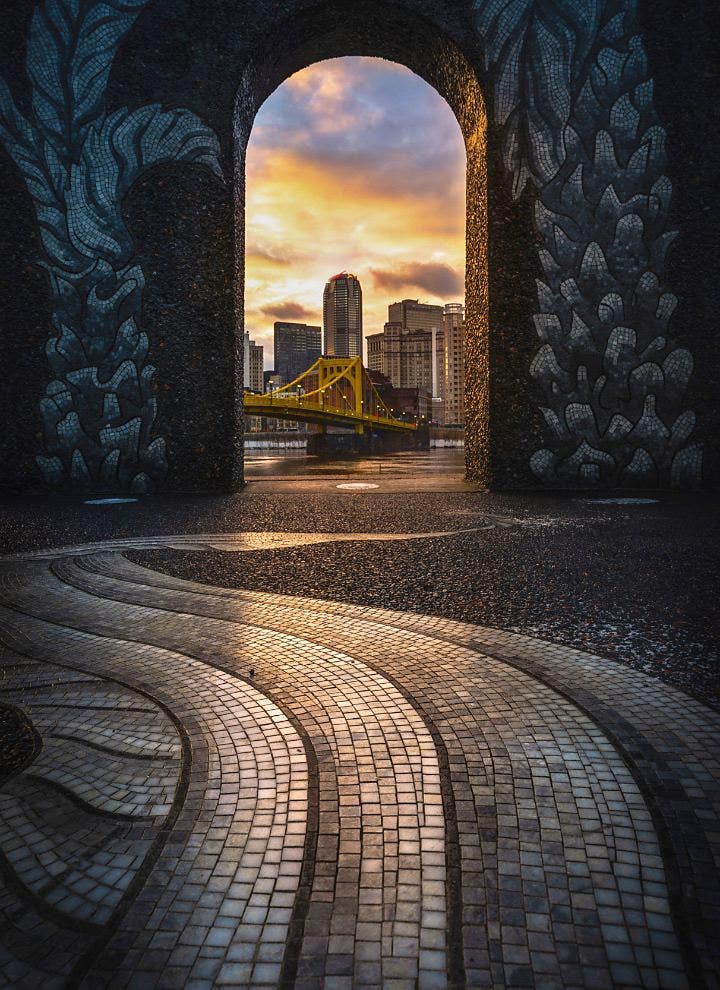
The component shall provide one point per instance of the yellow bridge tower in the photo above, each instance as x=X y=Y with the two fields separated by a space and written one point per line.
x=334 y=391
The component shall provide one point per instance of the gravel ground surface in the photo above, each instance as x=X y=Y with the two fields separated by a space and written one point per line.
x=35 y=522
x=633 y=581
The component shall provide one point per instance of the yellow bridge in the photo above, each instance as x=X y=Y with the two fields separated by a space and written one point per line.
x=334 y=391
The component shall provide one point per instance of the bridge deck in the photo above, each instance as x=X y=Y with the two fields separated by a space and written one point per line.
x=310 y=412
x=334 y=391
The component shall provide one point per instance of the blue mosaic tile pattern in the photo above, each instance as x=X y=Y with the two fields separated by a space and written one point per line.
x=78 y=162
x=573 y=99
x=612 y=380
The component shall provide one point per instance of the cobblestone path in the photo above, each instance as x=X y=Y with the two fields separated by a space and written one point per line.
x=232 y=788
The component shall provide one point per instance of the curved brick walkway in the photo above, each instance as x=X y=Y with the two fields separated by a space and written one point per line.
x=224 y=871
x=337 y=796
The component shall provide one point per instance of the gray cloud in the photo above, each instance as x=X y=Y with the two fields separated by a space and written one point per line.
x=403 y=140
x=435 y=278
x=287 y=310
x=282 y=258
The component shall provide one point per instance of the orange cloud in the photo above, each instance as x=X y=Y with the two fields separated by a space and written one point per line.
x=383 y=195
x=292 y=189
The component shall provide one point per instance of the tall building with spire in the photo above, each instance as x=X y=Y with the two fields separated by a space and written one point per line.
x=342 y=316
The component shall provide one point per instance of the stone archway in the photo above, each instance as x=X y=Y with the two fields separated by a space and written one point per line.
x=574 y=193
x=376 y=30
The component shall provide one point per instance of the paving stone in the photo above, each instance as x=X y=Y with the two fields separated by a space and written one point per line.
x=329 y=793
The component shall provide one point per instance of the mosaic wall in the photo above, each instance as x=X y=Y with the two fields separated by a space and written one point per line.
x=575 y=101
x=78 y=162
x=571 y=100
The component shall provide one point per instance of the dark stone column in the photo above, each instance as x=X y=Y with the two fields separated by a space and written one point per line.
x=186 y=235
x=682 y=42
x=24 y=293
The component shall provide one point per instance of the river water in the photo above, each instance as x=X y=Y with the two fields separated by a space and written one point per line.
x=296 y=464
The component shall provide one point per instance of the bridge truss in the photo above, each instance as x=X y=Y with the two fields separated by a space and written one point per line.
x=334 y=391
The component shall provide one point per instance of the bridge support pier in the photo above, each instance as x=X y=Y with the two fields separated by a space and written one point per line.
x=356 y=445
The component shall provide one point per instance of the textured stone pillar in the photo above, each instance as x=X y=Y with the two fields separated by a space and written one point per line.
x=591 y=343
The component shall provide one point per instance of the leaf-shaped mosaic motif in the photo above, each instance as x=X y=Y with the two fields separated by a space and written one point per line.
x=71 y=47
x=149 y=136
x=607 y=346
x=78 y=163
x=15 y=131
x=535 y=50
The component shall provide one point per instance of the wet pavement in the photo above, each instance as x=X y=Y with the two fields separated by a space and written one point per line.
x=442 y=463
x=435 y=470
x=391 y=737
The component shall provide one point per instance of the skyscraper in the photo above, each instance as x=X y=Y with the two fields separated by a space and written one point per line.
x=342 y=316
x=454 y=370
x=253 y=364
x=414 y=315
x=425 y=322
x=297 y=346
x=405 y=356
x=405 y=351
x=376 y=352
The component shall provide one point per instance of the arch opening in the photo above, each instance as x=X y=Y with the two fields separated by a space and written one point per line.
x=395 y=36
x=579 y=206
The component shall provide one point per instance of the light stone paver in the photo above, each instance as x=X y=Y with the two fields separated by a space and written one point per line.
x=61 y=842
x=530 y=786
x=482 y=808
x=377 y=907
x=671 y=740
x=134 y=733
x=227 y=871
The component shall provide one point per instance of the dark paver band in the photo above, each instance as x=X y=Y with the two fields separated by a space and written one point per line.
x=478 y=916
x=377 y=821
x=648 y=706
x=562 y=878
x=230 y=850
x=669 y=740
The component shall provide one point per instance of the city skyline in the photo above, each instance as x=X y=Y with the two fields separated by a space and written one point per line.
x=354 y=164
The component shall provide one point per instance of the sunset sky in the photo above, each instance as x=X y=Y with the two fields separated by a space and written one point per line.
x=354 y=164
